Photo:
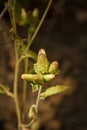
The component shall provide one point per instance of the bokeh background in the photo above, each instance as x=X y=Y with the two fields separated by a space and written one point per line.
x=64 y=37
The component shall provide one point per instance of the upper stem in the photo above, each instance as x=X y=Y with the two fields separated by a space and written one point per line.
x=39 y=25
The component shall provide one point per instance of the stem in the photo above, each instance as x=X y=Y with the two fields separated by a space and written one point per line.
x=4 y=10
x=17 y=63
x=24 y=89
x=25 y=83
x=38 y=98
x=37 y=104
x=39 y=25
x=6 y=90
x=16 y=87
x=11 y=5
x=26 y=69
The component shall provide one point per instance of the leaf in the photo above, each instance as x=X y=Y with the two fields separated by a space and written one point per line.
x=53 y=90
x=35 y=87
x=30 y=54
x=3 y=89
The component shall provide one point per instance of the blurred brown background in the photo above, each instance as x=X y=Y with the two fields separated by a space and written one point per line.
x=64 y=37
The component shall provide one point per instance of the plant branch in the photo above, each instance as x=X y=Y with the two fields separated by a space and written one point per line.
x=17 y=63
x=38 y=98
x=26 y=69
x=25 y=83
x=39 y=25
x=4 y=10
x=11 y=4
x=16 y=87
x=6 y=90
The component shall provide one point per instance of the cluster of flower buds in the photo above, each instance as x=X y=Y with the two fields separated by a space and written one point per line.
x=43 y=70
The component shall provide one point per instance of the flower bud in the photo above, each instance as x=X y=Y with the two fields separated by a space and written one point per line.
x=32 y=78
x=35 y=12
x=48 y=77
x=42 y=63
x=53 y=69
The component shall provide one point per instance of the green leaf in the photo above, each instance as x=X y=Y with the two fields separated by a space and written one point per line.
x=53 y=90
x=30 y=54
x=35 y=87
x=3 y=89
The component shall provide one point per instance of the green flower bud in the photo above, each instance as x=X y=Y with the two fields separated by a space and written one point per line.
x=48 y=77
x=34 y=78
x=42 y=64
x=53 y=69
x=35 y=12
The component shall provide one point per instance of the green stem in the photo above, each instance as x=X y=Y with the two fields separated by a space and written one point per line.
x=11 y=5
x=39 y=25
x=38 y=98
x=37 y=104
x=25 y=83
x=17 y=63
x=26 y=69
x=16 y=88
x=4 y=10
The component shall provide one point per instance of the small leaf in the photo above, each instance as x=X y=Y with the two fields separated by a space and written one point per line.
x=3 y=89
x=53 y=90
x=35 y=87
x=30 y=54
